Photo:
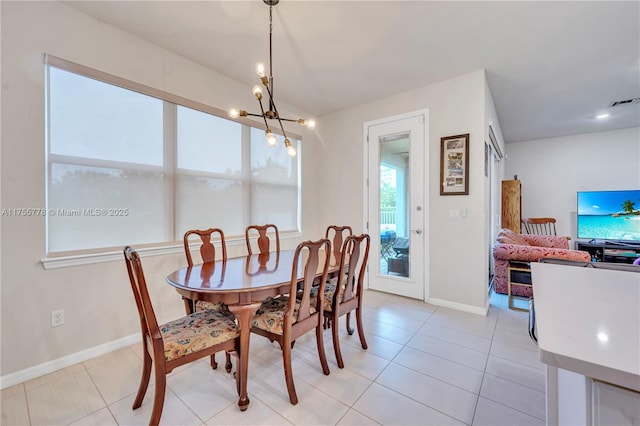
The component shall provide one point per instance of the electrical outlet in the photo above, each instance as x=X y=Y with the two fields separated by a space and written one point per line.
x=57 y=318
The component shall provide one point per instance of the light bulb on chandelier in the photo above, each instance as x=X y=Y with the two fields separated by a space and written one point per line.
x=291 y=151
x=270 y=137
x=272 y=112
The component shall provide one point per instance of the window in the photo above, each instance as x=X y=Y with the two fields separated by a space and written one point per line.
x=125 y=167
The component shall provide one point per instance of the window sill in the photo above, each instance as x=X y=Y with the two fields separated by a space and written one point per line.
x=91 y=258
x=110 y=256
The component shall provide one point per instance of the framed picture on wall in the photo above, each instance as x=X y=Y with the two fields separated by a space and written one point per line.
x=454 y=165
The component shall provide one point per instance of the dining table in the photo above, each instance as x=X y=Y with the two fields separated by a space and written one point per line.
x=243 y=283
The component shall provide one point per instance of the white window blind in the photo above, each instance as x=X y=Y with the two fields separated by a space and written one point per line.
x=128 y=164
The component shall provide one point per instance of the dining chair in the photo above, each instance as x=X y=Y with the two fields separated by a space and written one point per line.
x=260 y=232
x=345 y=295
x=284 y=319
x=208 y=256
x=338 y=233
x=539 y=225
x=207 y=249
x=175 y=343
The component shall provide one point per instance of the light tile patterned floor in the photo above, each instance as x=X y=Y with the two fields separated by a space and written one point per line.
x=425 y=365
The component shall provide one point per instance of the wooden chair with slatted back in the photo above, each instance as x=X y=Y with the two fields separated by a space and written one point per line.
x=336 y=234
x=539 y=225
x=284 y=319
x=208 y=256
x=207 y=249
x=345 y=295
x=177 y=342
x=263 y=241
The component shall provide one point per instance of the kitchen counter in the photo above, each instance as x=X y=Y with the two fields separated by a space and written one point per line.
x=588 y=321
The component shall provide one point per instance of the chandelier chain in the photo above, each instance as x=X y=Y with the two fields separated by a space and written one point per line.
x=271 y=105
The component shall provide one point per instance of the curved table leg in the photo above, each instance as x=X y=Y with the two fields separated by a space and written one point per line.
x=244 y=315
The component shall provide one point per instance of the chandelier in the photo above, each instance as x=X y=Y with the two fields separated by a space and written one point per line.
x=272 y=112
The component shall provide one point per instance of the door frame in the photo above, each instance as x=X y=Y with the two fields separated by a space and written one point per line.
x=424 y=113
x=495 y=177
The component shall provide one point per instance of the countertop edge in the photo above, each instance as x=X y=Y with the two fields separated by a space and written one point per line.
x=605 y=374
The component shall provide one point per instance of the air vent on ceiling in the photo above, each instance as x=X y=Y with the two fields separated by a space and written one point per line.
x=625 y=102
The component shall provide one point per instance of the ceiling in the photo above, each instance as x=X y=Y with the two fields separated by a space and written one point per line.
x=552 y=66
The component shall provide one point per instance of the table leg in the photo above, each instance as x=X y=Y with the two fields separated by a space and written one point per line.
x=244 y=315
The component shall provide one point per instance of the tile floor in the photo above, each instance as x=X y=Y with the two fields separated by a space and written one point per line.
x=425 y=365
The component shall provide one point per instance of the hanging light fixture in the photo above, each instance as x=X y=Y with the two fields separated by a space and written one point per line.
x=272 y=112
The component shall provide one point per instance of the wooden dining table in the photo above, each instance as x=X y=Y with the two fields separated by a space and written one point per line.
x=242 y=283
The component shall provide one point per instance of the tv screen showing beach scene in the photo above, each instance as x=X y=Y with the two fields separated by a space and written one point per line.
x=609 y=215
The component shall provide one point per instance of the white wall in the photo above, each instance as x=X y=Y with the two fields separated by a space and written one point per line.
x=553 y=170
x=457 y=260
x=96 y=298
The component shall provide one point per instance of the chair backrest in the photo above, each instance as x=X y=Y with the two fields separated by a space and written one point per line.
x=207 y=249
x=263 y=240
x=355 y=255
x=309 y=252
x=539 y=225
x=148 y=321
x=338 y=234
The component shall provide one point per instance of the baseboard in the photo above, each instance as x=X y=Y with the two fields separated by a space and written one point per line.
x=460 y=306
x=66 y=361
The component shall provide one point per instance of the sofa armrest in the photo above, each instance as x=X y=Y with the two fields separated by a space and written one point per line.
x=533 y=254
x=550 y=241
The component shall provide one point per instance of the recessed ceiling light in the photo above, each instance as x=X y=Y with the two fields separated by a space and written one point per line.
x=601 y=116
x=603 y=337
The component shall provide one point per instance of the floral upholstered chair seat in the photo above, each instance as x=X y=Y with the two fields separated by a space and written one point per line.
x=329 y=291
x=196 y=332
x=201 y=305
x=510 y=246
x=270 y=315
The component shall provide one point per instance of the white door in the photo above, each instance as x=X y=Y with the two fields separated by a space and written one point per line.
x=396 y=212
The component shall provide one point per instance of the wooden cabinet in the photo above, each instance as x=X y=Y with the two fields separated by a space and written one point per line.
x=511 y=205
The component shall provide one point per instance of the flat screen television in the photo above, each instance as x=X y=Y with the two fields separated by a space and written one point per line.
x=609 y=215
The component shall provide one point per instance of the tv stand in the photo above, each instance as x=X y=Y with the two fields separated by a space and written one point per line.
x=609 y=251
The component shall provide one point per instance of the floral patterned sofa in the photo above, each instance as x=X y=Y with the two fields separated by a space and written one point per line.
x=510 y=246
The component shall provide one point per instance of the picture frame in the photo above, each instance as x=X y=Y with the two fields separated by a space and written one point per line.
x=454 y=165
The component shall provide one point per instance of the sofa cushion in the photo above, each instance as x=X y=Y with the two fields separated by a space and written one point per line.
x=507 y=236
x=550 y=241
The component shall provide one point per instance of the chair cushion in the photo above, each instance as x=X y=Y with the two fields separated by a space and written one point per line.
x=270 y=315
x=195 y=332
x=329 y=291
x=201 y=305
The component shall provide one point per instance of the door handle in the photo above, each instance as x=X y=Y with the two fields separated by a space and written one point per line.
x=417 y=231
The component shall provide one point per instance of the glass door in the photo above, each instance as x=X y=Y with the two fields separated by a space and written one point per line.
x=396 y=213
